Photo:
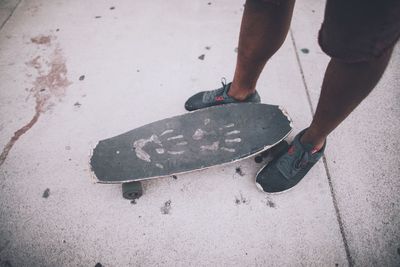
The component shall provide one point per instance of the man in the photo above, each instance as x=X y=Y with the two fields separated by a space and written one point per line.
x=358 y=35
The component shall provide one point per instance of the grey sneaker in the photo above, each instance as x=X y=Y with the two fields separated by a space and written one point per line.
x=216 y=97
x=286 y=171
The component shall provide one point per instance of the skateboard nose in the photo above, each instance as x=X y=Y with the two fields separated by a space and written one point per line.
x=103 y=169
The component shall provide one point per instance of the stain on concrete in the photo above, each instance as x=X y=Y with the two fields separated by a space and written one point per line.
x=98 y=265
x=57 y=30
x=41 y=40
x=97 y=17
x=270 y=203
x=77 y=104
x=209 y=3
x=201 y=57
x=34 y=9
x=133 y=202
x=67 y=148
x=166 y=209
x=175 y=177
x=241 y=200
x=112 y=8
x=239 y=171
x=82 y=77
x=208 y=47
x=51 y=71
x=46 y=193
x=305 y=50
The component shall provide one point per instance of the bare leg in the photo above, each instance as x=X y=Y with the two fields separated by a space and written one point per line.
x=263 y=30
x=345 y=85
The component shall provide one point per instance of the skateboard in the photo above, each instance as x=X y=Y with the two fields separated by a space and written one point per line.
x=193 y=141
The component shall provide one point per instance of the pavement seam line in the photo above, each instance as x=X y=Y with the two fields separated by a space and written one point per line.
x=9 y=16
x=332 y=191
x=302 y=73
x=339 y=217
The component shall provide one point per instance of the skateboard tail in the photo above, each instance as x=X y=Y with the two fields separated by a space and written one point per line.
x=92 y=172
x=284 y=111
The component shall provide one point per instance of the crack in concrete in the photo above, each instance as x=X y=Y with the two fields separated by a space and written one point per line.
x=9 y=15
x=51 y=82
x=349 y=258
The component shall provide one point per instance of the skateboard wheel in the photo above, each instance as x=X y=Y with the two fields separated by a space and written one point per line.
x=132 y=190
x=258 y=159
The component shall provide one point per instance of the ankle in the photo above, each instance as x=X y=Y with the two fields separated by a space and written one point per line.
x=240 y=93
x=314 y=139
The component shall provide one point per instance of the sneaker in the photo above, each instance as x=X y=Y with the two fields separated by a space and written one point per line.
x=287 y=170
x=216 y=97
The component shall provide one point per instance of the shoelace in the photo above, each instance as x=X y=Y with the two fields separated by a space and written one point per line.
x=290 y=168
x=209 y=96
x=223 y=82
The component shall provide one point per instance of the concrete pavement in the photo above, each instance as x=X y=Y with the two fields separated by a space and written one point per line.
x=75 y=72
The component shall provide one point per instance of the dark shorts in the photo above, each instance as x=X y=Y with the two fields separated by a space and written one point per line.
x=359 y=30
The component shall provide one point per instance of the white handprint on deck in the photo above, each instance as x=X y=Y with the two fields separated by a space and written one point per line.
x=139 y=145
x=225 y=138
x=199 y=134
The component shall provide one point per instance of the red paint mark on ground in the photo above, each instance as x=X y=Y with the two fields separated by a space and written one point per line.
x=50 y=85
x=41 y=39
x=17 y=135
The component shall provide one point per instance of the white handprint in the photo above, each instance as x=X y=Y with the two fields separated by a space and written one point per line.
x=200 y=133
x=139 y=145
x=225 y=138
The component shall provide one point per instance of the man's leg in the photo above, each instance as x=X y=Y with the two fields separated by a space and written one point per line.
x=345 y=85
x=264 y=27
x=263 y=30
x=359 y=36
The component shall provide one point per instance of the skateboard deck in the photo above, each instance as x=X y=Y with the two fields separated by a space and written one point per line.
x=189 y=142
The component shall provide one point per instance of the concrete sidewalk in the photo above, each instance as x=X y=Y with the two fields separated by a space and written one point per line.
x=75 y=72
